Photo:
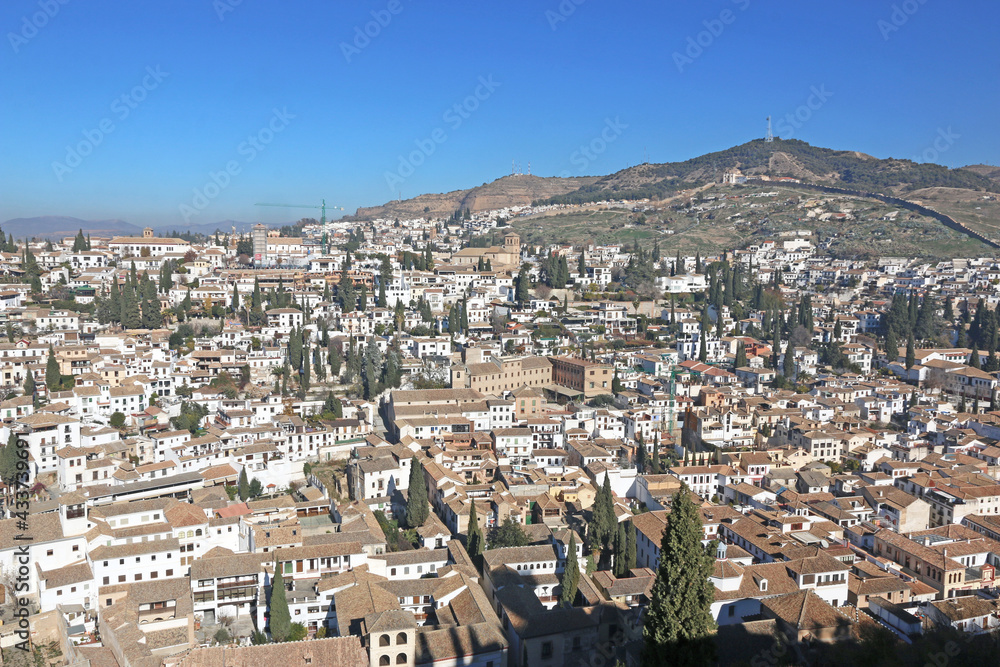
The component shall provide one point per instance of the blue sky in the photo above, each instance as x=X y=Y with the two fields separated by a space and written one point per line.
x=164 y=112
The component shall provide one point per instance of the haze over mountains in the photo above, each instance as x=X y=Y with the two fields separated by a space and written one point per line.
x=58 y=226
x=793 y=158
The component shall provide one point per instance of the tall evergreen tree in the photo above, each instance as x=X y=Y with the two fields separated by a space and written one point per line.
x=571 y=574
x=305 y=377
x=346 y=293
x=243 y=486
x=417 y=509
x=741 y=355
x=788 y=363
x=678 y=627
x=31 y=390
x=620 y=539
x=53 y=377
x=279 y=619
x=891 y=347
x=629 y=547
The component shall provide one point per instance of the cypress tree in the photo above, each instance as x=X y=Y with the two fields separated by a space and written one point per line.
x=243 y=486
x=474 y=539
x=279 y=620
x=362 y=297
x=741 y=355
x=616 y=384
x=295 y=349
x=305 y=378
x=31 y=390
x=678 y=628
x=52 y=375
x=788 y=364
x=619 y=568
x=973 y=358
x=417 y=509
x=891 y=347
x=629 y=547
x=346 y=294
x=334 y=357
x=910 y=352
x=571 y=574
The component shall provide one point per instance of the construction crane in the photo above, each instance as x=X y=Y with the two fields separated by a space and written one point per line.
x=322 y=220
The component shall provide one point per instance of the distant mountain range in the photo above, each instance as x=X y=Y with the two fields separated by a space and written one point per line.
x=57 y=227
x=958 y=191
x=790 y=157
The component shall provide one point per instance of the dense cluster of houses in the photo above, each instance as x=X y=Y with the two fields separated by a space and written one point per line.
x=841 y=499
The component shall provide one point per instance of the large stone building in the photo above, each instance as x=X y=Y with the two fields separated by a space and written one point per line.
x=500 y=374
x=499 y=256
x=134 y=246
x=587 y=377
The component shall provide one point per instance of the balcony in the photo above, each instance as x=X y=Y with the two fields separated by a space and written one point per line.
x=154 y=615
x=235 y=584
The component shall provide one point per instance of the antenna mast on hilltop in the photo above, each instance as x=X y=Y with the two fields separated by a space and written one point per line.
x=529 y=167
x=770 y=136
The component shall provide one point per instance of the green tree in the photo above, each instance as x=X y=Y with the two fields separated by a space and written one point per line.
x=117 y=420
x=522 y=285
x=507 y=534
x=616 y=384
x=571 y=574
x=279 y=620
x=243 y=486
x=741 y=355
x=346 y=293
x=30 y=389
x=678 y=628
x=619 y=551
x=891 y=347
x=602 y=521
x=53 y=377
x=788 y=364
x=9 y=472
x=629 y=547
x=417 y=508
x=297 y=632
x=474 y=536
x=256 y=488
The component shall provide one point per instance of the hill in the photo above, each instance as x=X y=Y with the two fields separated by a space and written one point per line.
x=514 y=190
x=791 y=158
x=57 y=227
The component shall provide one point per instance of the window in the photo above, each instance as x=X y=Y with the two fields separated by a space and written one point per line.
x=384 y=640
x=384 y=660
x=401 y=659
x=546 y=650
